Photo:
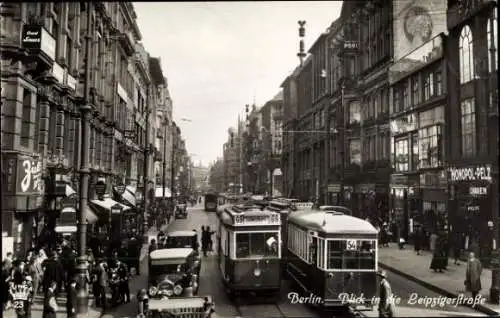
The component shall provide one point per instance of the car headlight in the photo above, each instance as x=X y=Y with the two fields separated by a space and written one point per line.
x=177 y=290
x=257 y=272
x=153 y=291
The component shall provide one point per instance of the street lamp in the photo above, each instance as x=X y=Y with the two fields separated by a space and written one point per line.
x=82 y=296
x=147 y=150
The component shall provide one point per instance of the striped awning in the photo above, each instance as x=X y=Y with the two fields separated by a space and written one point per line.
x=107 y=203
x=129 y=195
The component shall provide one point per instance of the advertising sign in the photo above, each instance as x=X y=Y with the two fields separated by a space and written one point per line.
x=415 y=23
x=100 y=188
x=29 y=176
x=36 y=38
x=470 y=174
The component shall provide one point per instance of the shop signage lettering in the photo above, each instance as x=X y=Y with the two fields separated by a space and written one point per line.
x=100 y=188
x=35 y=37
x=479 y=173
x=478 y=191
x=29 y=176
x=473 y=208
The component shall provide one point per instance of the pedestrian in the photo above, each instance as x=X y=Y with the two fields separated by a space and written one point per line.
x=433 y=241
x=35 y=272
x=52 y=272
x=204 y=240
x=473 y=275
x=4 y=284
x=457 y=242
x=71 y=298
x=417 y=239
x=49 y=302
x=438 y=261
x=143 y=300
x=210 y=241
x=124 y=287
x=102 y=279
x=152 y=246
x=135 y=254
x=386 y=299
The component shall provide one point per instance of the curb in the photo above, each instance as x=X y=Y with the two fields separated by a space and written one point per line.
x=480 y=307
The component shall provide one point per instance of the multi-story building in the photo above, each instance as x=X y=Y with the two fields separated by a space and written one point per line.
x=163 y=139
x=216 y=176
x=276 y=129
x=471 y=120
x=231 y=158
x=201 y=177
x=43 y=80
x=418 y=102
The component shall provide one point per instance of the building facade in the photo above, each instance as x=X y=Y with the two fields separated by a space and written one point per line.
x=417 y=77
x=43 y=77
x=472 y=121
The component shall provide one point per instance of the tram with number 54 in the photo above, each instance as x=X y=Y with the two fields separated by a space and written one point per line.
x=250 y=251
x=332 y=255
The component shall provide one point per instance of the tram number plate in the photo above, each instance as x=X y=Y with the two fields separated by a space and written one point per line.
x=352 y=245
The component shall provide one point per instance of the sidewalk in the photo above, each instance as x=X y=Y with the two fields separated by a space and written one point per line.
x=415 y=267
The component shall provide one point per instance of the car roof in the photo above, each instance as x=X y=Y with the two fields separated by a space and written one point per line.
x=181 y=233
x=169 y=253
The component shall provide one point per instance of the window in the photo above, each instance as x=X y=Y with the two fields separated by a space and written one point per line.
x=401 y=154
x=415 y=91
x=414 y=152
x=429 y=141
x=492 y=30
x=354 y=112
x=384 y=100
x=256 y=245
x=355 y=151
x=468 y=114
x=438 y=83
x=351 y=254
x=26 y=117
x=376 y=107
x=406 y=95
x=428 y=86
x=396 y=107
x=466 y=55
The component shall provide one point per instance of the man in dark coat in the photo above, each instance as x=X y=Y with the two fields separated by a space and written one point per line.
x=53 y=272
x=71 y=298
x=49 y=302
x=473 y=275
x=124 y=288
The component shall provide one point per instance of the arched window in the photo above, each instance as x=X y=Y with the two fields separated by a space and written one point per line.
x=492 y=42
x=466 y=55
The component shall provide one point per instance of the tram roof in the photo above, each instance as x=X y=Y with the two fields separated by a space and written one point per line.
x=331 y=222
x=336 y=208
x=249 y=215
x=181 y=233
x=169 y=253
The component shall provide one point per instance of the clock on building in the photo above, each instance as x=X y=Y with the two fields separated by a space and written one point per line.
x=418 y=25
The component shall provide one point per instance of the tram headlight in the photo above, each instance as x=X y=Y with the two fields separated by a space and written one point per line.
x=257 y=272
x=177 y=290
x=153 y=291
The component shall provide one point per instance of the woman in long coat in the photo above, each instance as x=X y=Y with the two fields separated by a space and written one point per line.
x=438 y=261
x=473 y=275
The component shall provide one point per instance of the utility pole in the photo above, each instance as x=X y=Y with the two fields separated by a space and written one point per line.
x=145 y=166
x=342 y=145
x=82 y=296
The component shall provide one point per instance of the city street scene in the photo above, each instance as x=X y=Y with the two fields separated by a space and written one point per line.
x=250 y=159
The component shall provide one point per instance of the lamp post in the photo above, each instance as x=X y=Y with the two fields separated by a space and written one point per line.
x=164 y=172
x=145 y=173
x=82 y=296
x=342 y=144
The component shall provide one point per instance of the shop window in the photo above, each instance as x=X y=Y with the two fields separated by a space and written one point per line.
x=414 y=152
x=468 y=121
x=355 y=151
x=354 y=112
x=429 y=141
x=466 y=55
x=401 y=154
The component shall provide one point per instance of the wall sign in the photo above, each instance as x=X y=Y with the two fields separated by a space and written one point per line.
x=477 y=191
x=100 y=188
x=29 y=176
x=467 y=174
x=36 y=38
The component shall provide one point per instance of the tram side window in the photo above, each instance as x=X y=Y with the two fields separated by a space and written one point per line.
x=257 y=245
x=335 y=250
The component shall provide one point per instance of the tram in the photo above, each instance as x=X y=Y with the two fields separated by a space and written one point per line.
x=331 y=254
x=250 y=251
x=211 y=200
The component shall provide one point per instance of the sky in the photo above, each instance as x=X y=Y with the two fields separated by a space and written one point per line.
x=219 y=56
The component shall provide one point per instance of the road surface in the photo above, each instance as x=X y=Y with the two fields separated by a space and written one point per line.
x=210 y=284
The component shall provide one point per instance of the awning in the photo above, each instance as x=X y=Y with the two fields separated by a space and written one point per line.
x=91 y=216
x=129 y=195
x=66 y=229
x=107 y=203
x=63 y=189
x=159 y=192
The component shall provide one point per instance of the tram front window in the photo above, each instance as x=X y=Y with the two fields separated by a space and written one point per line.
x=351 y=254
x=257 y=245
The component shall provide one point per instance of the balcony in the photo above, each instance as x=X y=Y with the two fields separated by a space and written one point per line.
x=128 y=43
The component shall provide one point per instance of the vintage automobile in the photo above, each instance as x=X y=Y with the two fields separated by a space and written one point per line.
x=180 y=211
x=184 y=239
x=193 y=307
x=173 y=272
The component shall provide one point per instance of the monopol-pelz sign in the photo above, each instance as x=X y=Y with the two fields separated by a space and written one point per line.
x=478 y=173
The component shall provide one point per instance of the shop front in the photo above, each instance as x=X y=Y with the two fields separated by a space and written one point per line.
x=403 y=200
x=24 y=189
x=434 y=197
x=333 y=191
x=471 y=200
x=366 y=200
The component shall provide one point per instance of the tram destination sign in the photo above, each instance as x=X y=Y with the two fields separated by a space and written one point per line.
x=470 y=174
x=257 y=219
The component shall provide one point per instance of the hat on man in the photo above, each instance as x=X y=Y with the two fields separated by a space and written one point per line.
x=382 y=273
